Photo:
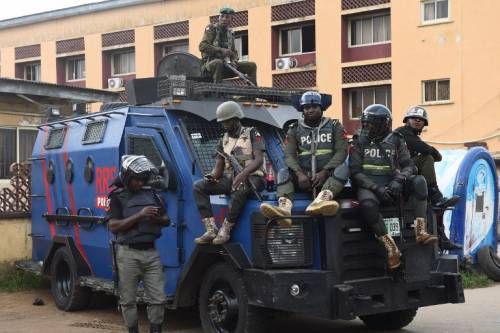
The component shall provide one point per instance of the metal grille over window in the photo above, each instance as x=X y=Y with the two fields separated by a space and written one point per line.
x=170 y=30
x=204 y=137
x=367 y=73
x=146 y=147
x=240 y=19
x=56 y=138
x=292 y=10
x=352 y=4
x=306 y=79
x=94 y=132
x=118 y=38
x=70 y=45
x=29 y=51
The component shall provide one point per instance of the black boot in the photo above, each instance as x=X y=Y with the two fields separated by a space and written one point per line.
x=155 y=328
x=445 y=244
x=133 y=329
x=437 y=199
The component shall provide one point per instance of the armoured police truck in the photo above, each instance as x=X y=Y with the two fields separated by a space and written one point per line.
x=327 y=267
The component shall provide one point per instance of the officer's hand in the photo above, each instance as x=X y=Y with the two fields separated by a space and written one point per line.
x=319 y=179
x=226 y=52
x=211 y=179
x=239 y=180
x=383 y=194
x=149 y=211
x=304 y=182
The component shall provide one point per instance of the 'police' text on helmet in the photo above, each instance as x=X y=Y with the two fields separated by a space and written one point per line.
x=228 y=110
x=310 y=98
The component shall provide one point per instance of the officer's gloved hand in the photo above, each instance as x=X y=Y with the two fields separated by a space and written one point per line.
x=382 y=193
x=395 y=187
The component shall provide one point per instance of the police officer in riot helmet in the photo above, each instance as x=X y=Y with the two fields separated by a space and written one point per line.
x=313 y=137
x=424 y=156
x=383 y=173
x=246 y=145
x=136 y=216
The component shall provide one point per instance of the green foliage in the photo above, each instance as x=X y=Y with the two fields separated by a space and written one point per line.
x=472 y=279
x=12 y=279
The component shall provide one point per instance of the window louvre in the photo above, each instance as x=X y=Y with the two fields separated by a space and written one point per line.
x=56 y=138
x=94 y=132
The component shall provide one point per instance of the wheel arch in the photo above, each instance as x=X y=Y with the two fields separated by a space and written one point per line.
x=65 y=241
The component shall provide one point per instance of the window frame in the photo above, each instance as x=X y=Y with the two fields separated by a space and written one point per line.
x=437 y=101
x=280 y=42
x=361 y=18
x=361 y=89
x=240 y=54
x=68 y=60
x=31 y=65
x=112 y=62
x=176 y=43
x=18 y=139
x=423 y=21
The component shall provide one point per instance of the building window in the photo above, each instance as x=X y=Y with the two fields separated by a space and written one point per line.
x=360 y=98
x=435 y=10
x=17 y=146
x=241 y=45
x=370 y=30
x=298 y=40
x=175 y=47
x=123 y=63
x=75 y=69
x=436 y=91
x=32 y=72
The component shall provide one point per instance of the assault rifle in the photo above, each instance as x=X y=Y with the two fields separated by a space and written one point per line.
x=237 y=168
x=232 y=68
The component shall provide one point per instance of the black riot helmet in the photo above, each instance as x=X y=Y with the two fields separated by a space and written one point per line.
x=310 y=98
x=137 y=166
x=376 y=122
x=417 y=112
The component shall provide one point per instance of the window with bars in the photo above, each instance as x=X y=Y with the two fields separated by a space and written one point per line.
x=435 y=11
x=368 y=30
x=436 y=91
x=123 y=63
x=75 y=69
x=94 y=132
x=241 y=45
x=55 y=138
x=298 y=40
x=180 y=46
x=17 y=146
x=32 y=72
x=360 y=98
x=140 y=145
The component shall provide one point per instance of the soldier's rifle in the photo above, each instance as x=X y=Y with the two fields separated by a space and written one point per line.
x=228 y=64
x=237 y=168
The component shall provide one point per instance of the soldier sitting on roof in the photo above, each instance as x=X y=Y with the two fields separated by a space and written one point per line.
x=217 y=47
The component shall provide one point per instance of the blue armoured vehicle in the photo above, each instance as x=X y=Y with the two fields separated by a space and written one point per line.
x=330 y=268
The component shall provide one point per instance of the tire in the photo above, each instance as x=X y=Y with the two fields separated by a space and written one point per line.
x=223 y=303
x=489 y=263
x=390 y=320
x=68 y=295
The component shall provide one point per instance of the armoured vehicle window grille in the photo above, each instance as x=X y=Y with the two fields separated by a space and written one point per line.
x=144 y=146
x=204 y=137
x=56 y=138
x=94 y=132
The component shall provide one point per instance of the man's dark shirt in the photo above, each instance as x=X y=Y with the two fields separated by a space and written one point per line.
x=415 y=144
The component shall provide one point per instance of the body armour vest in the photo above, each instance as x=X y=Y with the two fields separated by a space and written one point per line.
x=241 y=149
x=143 y=231
x=322 y=136
x=380 y=160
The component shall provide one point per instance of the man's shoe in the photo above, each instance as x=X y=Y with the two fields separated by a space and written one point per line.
x=224 y=233
x=446 y=202
x=284 y=209
x=155 y=328
x=393 y=253
x=323 y=204
x=444 y=243
x=421 y=235
x=210 y=233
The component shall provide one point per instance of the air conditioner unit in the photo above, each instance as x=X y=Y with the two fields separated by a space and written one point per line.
x=115 y=82
x=285 y=63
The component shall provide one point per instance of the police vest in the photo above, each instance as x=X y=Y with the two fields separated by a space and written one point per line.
x=379 y=159
x=324 y=142
x=241 y=149
x=143 y=231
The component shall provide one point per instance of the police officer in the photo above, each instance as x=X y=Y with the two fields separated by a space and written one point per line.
x=313 y=135
x=136 y=216
x=382 y=169
x=217 y=46
x=247 y=146
x=425 y=156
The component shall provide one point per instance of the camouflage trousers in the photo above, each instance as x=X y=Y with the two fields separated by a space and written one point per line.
x=216 y=69
x=133 y=266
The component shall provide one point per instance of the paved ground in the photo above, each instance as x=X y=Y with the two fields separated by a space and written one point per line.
x=480 y=313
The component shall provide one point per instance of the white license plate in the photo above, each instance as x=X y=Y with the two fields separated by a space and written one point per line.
x=392 y=225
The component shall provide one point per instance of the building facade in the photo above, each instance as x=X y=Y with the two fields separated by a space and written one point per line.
x=440 y=54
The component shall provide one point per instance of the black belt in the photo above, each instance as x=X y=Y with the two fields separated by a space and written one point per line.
x=142 y=246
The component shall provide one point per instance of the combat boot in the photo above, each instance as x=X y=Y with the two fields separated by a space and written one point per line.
x=211 y=232
x=155 y=328
x=133 y=329
x=437 y=199
x=284 y=209
x=323 y=204
x=444 y=242
x=421 y=234
x=224 y=233
x=393 y=253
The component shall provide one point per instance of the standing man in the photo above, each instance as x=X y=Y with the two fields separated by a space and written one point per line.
x=424 y=156
x=382 y=171
x=247 y=146
x=217 y=47
x=313 y=137
x=136 y=216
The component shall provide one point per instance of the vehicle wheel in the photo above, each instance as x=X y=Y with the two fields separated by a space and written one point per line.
x=68 y=295
x=223 y=303
x=390 y=320
x=489 y=263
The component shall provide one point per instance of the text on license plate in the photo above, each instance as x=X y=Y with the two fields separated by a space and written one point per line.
x=392 y=225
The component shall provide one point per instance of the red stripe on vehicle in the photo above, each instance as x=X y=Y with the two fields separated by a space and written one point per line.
x=48 y=197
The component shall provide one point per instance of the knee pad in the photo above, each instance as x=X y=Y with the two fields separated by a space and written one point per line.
x=369 y=211
x=283 y=176
x=419 y=187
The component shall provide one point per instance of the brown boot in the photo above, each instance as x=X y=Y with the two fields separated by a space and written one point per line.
x=224 y=233
x=284 y=209
x=211 y=232
x=393 y=254
x=421 y=235
x=323 y=204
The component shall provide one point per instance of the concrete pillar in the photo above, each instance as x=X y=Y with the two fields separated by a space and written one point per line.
x=7 y=65
x=144 y=52
x=93 y=61
x=197 y=27
x=259 y=43
x=48 y=62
